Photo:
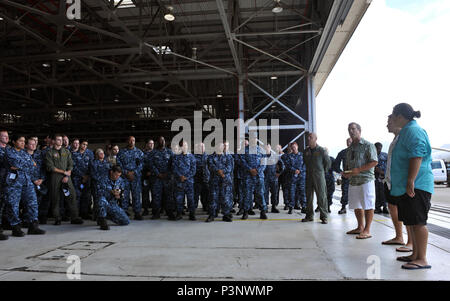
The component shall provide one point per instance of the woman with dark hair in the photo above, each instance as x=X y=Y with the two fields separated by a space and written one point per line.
x=19 y=186
x=412 y=181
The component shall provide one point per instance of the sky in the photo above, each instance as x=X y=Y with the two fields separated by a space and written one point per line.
x=400 y=52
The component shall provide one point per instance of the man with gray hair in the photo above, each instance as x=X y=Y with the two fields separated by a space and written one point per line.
x=361 y=158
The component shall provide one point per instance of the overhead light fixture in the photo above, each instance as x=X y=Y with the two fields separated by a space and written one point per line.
x=33 y=89
x=169 y=16
x=147 y=83
x=69 y=103
x=46 y=65
x=219 y=95
x=167 y=99
x=133 y=126
x=1 y=19
x=273 y=77
x=277 y=7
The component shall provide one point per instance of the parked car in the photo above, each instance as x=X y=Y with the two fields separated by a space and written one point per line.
x=439 y=171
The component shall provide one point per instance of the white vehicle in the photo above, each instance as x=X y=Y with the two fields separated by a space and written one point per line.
x=439 y=171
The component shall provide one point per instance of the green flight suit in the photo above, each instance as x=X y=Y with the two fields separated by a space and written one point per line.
x=61 y=159
x=317 y=162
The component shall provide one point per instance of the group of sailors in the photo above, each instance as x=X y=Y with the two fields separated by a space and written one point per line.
x=72 y=183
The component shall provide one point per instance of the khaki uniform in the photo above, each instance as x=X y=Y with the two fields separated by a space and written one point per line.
x=61 y=159
x=317 y=162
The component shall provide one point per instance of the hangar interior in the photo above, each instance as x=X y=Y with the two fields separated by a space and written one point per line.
x=126 y=68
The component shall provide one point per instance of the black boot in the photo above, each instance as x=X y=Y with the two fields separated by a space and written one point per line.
x=171 y=216
x=76 y=221
x=155 y=214
x=192 y=216
x=3 y=236
x=343 y=210
x=227 y=218
x=290 y=211
x=251 y=212
x=57 y=222
x=297 y=207
x=240 y=212
x=245 y=215
x=285 y=208
x=17 y=231
x=210 y=219
x=263 y=215
x=275 y=210
x=102 y=223
x=137 y=217
x=179 y=216
x=34 y=229
x=317 y=209
x=145 y=213
x=303 y=210
x=233 y=211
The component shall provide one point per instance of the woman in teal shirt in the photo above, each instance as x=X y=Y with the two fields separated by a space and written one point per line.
x=412 y=180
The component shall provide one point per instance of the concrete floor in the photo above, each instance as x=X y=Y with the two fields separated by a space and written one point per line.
x=280 y=248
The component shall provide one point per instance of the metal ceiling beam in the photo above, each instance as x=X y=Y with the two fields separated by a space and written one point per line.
x=226 y=26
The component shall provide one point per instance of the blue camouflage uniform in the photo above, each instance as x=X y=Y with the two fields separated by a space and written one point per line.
x=99 y=171
x=294 y=162
x=221 y=188
x=108 y=205
x=379 y=186
x=81 y=167
x=2 y=179
x=160 y=163
x=147 y=181
x=240 y=175
x=184 y=165
x=20 y=186
x=329 y=179
x=301 y=200
x=38 y=172
x=342 y=158
x=201 y=191
x=284 y=180
x=254 y=158
x=131 y=160
x=274 y=166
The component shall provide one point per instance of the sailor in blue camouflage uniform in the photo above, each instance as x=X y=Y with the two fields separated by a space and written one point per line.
x=19 y=165
x=380 y=170
x=294 y=168
x=82 y=161
x=201 y=191
x=99 y=171
x=160 y=166
x=110 y=191
x=38 y=176
x=131 y=160
x=147 y=178
x=184 y=168
x=221 y=167
x=275 y=166
x=284 y=181
x=254 y=163
x=341 y=158
x=4 y=139
x=240 y=175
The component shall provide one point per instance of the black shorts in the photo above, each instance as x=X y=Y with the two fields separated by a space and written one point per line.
x=393 y=200
x=414 y=211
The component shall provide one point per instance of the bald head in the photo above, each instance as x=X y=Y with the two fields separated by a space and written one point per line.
x=312 y=140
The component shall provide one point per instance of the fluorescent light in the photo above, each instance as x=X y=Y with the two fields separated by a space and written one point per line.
x=219 y=95
x=46 y=65
x=68 y=103
x=273 y=77
x=169 y=16
x=277 y=7
x=167 y=99
x=147 y=83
